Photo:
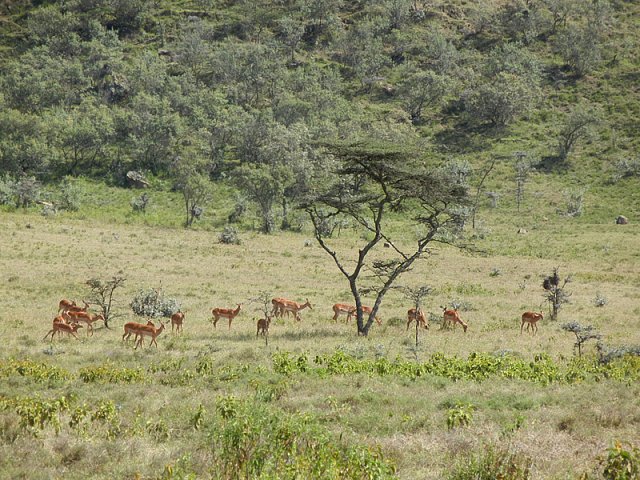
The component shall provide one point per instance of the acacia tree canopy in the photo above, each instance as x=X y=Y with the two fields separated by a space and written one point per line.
x=368 y=182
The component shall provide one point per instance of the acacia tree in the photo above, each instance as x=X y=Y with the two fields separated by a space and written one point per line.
x=102 y=292
x=368 y=182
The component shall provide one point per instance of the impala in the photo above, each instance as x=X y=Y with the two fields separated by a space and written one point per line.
x=229 y=313
x=89 y=319
x=132 y=328
x=176 y=321
x=531 y=319
x=263 y=326
x=277 y=306
x=340 y=308
x=419 y=317
x=451 y=318
x=365 y=309
x=61 y=327
x=282 y=306
x=75 y=308
x=149 y=331
x=65 y=304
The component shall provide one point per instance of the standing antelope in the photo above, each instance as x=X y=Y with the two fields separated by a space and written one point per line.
x=176 y=321
x=229 y=313
x=149 y=331
x=282 y=306
x=263 y=326
x=418 y=316
x=131 y=328
x=451 y=318
x=531 y=319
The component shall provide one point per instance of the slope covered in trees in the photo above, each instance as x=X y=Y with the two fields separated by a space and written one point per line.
x=204 y=90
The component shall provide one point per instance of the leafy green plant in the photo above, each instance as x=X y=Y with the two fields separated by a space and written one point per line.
x=108 y=373
x=493 y=464
x=255 y=440
x=460 y=416
x=622 y=463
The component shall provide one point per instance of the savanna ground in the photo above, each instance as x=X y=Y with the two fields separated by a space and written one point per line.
x=158 y=422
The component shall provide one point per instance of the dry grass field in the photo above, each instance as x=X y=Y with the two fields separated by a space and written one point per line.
x=561 y=429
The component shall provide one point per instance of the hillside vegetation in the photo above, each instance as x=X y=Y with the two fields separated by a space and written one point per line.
x=261 y=129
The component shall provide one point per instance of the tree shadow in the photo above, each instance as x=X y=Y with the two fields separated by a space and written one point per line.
x=552 y=163
x=464 y=137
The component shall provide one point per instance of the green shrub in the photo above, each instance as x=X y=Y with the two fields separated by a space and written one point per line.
x=229 y=236
x=107 y=373
x=460 y=416
x=622 y=463
x=493 y=464
x=254 y=440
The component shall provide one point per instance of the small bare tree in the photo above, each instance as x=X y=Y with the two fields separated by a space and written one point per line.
x=583 y=334
x=523 y=168
x=102 y=292
x=264 y=298
x=416 y=295
x=556 y=294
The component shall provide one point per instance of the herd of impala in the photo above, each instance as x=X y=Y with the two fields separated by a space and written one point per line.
x=70 y=318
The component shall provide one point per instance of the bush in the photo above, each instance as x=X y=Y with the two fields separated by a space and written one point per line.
x=139 y=204
x=229 y=236
x=494 y=464
x=69 y=196
x=263 y=442
x=622 y=169
x=151 y=303
x=621 y=463
x=459 y=416
x=22 y=192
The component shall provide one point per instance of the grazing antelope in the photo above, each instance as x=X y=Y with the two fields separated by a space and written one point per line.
x=531 y=319
x=131 y=328
x=263 y=326
x=61 y=327
x=365 y=309
x=418 y=316
x=340 y=308
x=176 y=321
x=282 y=306
x=229 y=313
x=149 y=331
x=451 y=318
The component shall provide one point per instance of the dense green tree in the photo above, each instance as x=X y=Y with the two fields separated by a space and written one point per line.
x=580 y=47
x=578 y=126
x=291 y=31
x=23 y=148
x=80 y=136
x=250 y=74
x=39 y=80
x=152 y=132
x=192 y=181
x=501 y=100
x=263 y=184
x=420 y=90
